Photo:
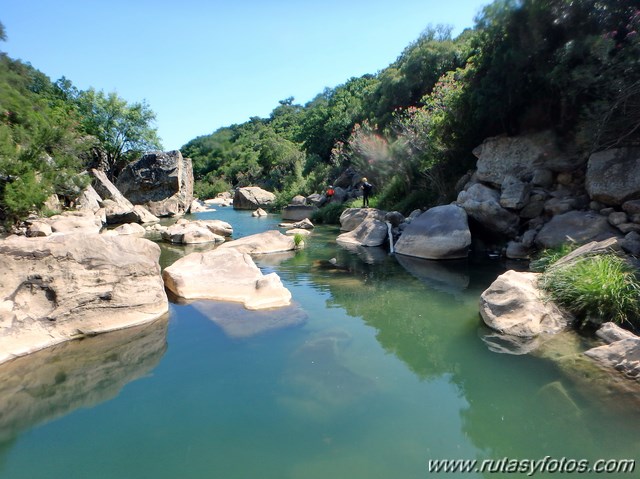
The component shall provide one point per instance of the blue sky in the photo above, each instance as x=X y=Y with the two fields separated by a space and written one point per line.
x=203 y=64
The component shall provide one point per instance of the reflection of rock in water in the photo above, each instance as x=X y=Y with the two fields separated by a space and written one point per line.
x=446 y=276
x=318 y=379
x=238 y=322
x=81 y=373
x=368 y=254
x=273 y=259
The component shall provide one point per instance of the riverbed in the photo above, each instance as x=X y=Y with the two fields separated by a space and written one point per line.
x=378 y=367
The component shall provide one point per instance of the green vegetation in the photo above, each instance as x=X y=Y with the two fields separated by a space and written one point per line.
x=298 y=239
x=50 y=132
x=596 y=289
x=572 y=67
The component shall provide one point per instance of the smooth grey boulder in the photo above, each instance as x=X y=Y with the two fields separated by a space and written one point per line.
x=252 y=198
x=515 y=306
x=160 y=181
x=613 y=176
x=352 y=217
x=575 y=226
x=370 y=232
x=438 y=233
x=483 y=205
x=63 y=287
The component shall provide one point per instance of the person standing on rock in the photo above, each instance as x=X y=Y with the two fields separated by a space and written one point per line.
x=366 y=188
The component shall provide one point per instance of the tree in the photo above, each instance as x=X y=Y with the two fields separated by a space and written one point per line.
x=123 y=131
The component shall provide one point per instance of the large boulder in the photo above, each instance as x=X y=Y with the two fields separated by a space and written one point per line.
x=575 y=226
x=520 y=156
x=197 y=232
x=613 y=176
x=251 y=198
x=438 y=233
x=513 y=305
x=483 y=205
x=225 y=275
x=63 y=287
x=370 y=232
x=89 y=199
x=352 y=217
x=262 y=243
x=117 y=214
x=161 y=181
x=298 y=212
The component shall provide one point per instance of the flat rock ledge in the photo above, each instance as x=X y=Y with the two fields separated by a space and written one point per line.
x=64 y=287
x=225 y=275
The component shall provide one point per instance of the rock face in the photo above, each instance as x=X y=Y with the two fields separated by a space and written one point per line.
x=67 y=286
x=513 y=305
x=521 y=155
x=483 y=205
x=251 y=198
x=161 y=181
x=225 y=275
x=262 y=243
x=108 y=191
x=613 y=176
x=578 y=226
x=438 y=233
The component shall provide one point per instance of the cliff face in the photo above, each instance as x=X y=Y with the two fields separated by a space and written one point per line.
x=532 y=191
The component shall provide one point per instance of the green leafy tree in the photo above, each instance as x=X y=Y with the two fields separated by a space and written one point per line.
x=123 y=131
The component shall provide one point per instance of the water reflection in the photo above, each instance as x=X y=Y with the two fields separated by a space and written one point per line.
x=446 y=276
x=238 y=322
x=368 y=254
x=53 y=382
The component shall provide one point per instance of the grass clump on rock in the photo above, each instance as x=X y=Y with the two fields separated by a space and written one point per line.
x=595 y=289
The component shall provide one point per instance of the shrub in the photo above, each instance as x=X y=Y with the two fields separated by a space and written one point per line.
x=549 y=256
x=329 y=214
x=596 y=289
x=298 y=239
x=205 y=189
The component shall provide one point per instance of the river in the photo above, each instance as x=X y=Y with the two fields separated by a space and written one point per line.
x=377 y=367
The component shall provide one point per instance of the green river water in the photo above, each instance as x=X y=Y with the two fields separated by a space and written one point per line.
x=376 y=368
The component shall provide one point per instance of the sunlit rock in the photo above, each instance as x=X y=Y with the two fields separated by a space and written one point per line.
x=225 y=275
x=63 y=287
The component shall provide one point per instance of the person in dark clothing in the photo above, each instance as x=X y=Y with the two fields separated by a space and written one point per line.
x=366 y=192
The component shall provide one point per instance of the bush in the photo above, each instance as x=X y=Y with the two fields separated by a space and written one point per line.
x=549 y=256
x=329 y=214
x=596 y=289
x=205 y=189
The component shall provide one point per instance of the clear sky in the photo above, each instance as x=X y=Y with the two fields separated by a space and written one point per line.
x=201 y=65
